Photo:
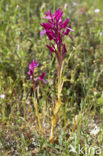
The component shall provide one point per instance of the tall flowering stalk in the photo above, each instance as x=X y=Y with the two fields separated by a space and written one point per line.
x=55 y=29
x=32 y=66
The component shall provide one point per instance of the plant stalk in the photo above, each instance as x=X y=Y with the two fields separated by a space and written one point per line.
x=57 y=106
x=37 y=109
x=37 y=114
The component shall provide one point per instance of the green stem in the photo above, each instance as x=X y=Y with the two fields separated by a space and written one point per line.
x=37 y=114
x=56 y=110
x=37 y=109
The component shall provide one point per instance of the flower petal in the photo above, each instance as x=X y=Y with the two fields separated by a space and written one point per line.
x=68 y=30
x=58 y=14
x=48 y=17
x=50 y=35
x=64 y=49
x=32 y=66
x=42 y=32
x=46 y=25
x=48 y=13
x=50 y=48
x=45 y=81
x=71 y=29
x=65 y=23
x=42 y=76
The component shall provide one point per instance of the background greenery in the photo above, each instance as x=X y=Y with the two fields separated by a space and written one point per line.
x=82 y=97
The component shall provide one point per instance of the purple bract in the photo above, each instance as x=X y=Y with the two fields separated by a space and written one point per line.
x=41 y=78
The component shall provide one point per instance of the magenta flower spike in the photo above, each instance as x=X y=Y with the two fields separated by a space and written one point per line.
x=56 y=29
x=32 y=66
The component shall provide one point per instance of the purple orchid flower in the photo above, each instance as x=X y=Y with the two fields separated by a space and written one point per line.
x=32 y=66
x=56 y=29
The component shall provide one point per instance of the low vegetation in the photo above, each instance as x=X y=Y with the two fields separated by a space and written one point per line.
x=79 y=120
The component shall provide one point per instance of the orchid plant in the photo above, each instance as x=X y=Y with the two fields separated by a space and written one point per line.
x=55 y=29
x=32 y=67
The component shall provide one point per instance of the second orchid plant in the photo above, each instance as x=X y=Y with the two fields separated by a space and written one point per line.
x=32 y=67
x=55 y=29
